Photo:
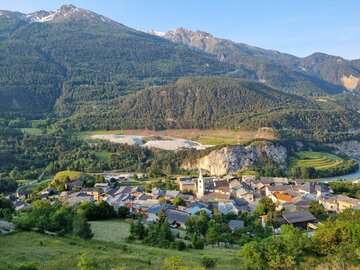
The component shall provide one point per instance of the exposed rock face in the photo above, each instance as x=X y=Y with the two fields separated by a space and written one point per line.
x=350 y=148
x=231 y=159
x=350 y=82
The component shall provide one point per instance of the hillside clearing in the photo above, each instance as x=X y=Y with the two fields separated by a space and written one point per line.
x=205 y=137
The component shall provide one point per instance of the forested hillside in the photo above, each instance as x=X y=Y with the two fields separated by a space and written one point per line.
x=84 y=70
x=217 y=102
x=85 y=58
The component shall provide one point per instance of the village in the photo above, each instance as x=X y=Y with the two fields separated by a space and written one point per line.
x=228 y=195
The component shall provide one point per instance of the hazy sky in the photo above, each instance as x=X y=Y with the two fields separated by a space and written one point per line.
x=299 y=27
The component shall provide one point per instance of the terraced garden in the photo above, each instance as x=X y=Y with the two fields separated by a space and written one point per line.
x=318 y=160
x=325 y=164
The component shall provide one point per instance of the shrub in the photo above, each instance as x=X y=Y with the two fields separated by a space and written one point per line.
x=208 y=262
x=197 y=242
x=180 y=245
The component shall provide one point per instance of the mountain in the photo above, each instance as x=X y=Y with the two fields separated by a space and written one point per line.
x=73 y=59
x=316 y=74
x=217 y=102
x=333 y=69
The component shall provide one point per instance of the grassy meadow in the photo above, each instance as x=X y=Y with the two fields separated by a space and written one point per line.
x=107 y=250
x=102 y=155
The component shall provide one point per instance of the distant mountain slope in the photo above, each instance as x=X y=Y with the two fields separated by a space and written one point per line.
x=216 y=102
x=333 y=69
x=72 y=56
x=316 y=74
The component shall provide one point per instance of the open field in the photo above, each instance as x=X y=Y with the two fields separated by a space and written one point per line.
x=115 y=230
x=205 y=137
x=36 y=131
x=58 y=253
x=318 y=160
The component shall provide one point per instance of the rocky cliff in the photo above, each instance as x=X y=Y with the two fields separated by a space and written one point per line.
x=231 y=159
x=350 y=148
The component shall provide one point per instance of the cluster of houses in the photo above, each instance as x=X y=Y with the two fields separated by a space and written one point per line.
x=228 y=195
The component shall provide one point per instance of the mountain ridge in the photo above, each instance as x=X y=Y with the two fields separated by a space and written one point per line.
x=332 y=69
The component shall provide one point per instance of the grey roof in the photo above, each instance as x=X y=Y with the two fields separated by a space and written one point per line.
x=299 y=182
x=156 y=208
x=157 y=191
x=89 y=189
x=213 y=183
x=82 y=194
x=267 y=180
x=312 y=187
x=110 y=191
x=187 y=182
x=198 y=204
x=236 y=224
x=143 y=197
x=296 y=217
x=187 y=197
x=124 y=189
x=172 y=193
x=279 y=188
x=347 y=199
x=137 y=189
x=73 y=184
x=302 y=202
x=176 y=215
x=243 y=188
x=234 y=183
x=240 y=202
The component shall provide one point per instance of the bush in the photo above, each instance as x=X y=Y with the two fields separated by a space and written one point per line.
x=197 y=242
x=82 y=227
x=180 y=245
x=28 y=266
x=208 y=262
x=123 y=212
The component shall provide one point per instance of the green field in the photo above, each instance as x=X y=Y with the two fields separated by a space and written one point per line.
x=73 y=175
x=107 y=250
x=36 y=131
x=203 y=136
x=318 y=160
x=114 y=230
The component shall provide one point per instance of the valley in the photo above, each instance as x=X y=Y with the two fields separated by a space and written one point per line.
x=130 y=149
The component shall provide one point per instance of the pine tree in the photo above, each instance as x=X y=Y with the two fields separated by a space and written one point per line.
x=211 y=235
x=82 y=228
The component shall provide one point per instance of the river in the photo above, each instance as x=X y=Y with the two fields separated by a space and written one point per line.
x=347 y=177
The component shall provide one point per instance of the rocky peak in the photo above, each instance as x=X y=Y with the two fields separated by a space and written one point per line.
x=198 y=39
x=64 y=13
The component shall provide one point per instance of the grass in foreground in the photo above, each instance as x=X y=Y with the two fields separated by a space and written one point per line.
x=318 y=160
x=206 y=137
x=58 y=253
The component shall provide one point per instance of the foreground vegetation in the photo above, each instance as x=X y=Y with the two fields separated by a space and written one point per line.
x=58 y=253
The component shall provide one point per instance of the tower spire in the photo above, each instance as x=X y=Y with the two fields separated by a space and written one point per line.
x=200 y=185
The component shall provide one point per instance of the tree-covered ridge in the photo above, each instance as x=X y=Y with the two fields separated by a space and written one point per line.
x=210 y=102
x=76 y=61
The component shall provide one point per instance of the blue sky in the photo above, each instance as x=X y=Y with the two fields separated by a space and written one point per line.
x=299 y=27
